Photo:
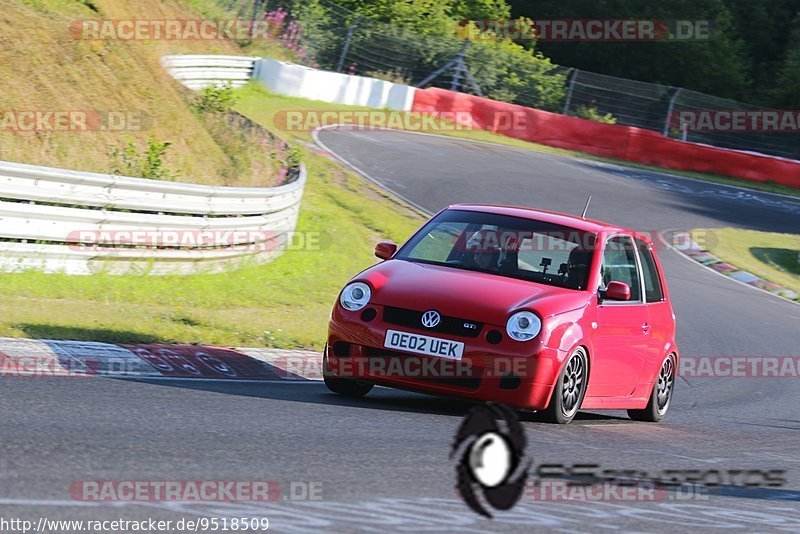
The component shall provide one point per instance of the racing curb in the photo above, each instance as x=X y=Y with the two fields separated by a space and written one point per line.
x=682 y=242
x=45 y=358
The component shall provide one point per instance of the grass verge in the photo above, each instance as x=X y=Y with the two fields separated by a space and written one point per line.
x=284 y=304
x=45 y=67
x=774 y=257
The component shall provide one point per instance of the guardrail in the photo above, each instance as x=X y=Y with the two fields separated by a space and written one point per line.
x=201 y=71
x=61 y=186
x=59 y=220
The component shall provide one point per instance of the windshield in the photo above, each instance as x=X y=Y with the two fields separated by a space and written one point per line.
x=506 y=246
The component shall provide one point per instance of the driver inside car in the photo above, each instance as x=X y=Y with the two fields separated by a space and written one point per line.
x=486 y=255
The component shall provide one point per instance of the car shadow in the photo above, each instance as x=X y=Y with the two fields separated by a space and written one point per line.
x=380 y=398
x=76 y=333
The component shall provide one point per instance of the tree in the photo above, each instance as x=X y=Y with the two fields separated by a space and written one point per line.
x=718 y=66
x=766 y=30
x=786 y=92
x=432 y=17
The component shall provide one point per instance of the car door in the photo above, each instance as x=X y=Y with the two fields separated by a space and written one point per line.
x=621 y=342
x=659 y=312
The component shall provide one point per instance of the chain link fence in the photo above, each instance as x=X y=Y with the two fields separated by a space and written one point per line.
x=326 y=35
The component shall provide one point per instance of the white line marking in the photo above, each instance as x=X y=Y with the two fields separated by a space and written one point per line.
x=364 y=174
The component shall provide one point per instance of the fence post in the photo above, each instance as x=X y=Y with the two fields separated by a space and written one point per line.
x=260 y=7
x=347 y=42
x=460 y=67
x=568 y=101
x=670 y=109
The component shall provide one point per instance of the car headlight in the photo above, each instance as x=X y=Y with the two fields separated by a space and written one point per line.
x=355 y=296
x=523 y=326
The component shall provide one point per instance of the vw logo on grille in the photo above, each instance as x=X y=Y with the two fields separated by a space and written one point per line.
x=430 y=319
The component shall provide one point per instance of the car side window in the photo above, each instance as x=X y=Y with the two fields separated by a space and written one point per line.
x=619 y=265
x=652 y=280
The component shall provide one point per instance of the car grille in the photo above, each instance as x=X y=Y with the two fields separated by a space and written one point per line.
x=448 y=325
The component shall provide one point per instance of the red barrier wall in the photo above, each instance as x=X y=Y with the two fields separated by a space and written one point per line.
x=608 y=140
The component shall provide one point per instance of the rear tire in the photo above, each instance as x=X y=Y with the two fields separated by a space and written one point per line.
x=343 y=386
x=661 y=396
x=569 y=390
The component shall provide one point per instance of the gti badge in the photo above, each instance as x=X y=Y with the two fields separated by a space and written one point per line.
x=430 y=319
x=492 y=467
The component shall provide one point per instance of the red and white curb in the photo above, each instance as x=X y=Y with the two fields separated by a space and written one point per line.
x=53 y=358
x=683 y=243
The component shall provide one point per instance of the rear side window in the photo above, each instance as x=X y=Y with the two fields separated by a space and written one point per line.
x=619 y=265
x=652 y=280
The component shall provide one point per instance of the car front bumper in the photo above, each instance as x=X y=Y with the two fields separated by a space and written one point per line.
x=520 y=374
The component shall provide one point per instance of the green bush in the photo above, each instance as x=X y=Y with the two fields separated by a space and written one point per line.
x=591 y=113
x=129 y=161
x=215 y=98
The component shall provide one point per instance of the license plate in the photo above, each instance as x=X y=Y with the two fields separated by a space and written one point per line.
x=430 y=346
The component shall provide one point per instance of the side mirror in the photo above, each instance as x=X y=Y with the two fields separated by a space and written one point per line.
x=385 y=250
x=617 y=291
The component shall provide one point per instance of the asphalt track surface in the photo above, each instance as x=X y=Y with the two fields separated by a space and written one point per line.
x=383 y=460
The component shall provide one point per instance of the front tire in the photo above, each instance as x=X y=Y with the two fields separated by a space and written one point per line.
x=343 y=386
x=661 y=396
x=569 y=390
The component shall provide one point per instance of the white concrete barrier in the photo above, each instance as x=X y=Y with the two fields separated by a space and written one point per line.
x=289 y=79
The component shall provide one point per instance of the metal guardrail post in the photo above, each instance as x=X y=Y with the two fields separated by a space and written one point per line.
x=670 y=109
x=348 y=40
x=259 y=8
x=460 y=69
x=568 y=101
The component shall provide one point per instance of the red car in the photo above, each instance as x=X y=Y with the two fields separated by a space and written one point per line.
x=537 y=310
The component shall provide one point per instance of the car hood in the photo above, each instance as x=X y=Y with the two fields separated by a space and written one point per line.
x=471 y=295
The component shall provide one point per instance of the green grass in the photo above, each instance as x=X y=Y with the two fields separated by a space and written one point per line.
x=42 y=67
x=771 y=256
x=285 y=303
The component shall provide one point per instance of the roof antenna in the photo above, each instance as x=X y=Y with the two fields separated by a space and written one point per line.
x=586 y=207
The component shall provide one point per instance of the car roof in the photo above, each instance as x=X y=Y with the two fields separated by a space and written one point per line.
x=571 y=221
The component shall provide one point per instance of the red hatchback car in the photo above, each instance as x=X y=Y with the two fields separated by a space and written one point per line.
x=537 y=310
